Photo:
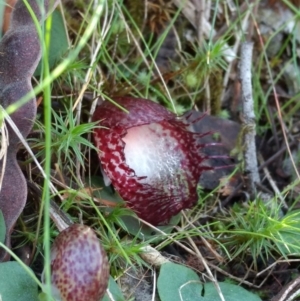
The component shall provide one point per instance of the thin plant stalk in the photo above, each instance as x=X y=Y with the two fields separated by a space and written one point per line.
x=47 y=165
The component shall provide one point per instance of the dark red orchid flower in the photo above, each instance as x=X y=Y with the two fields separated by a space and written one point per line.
x=151 y=157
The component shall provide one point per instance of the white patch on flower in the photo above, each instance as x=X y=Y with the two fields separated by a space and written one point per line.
x=106 y=179
x=151 y=151
x=116 y=154
x=111 y=146
x=98 y=141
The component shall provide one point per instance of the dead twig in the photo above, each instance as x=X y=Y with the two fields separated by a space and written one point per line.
x=248 y=129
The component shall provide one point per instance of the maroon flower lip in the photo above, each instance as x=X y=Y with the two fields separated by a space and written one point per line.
x=150 y=156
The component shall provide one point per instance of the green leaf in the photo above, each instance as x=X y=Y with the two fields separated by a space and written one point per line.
x=58 y=41
x=143 y=232
x=114 y=290
x=2 y=8
x=289 y=234
x=171 y=279
x=102 y=191
x=231 y=292
x=2 y=227
x=176 y=283
x=16 y=284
